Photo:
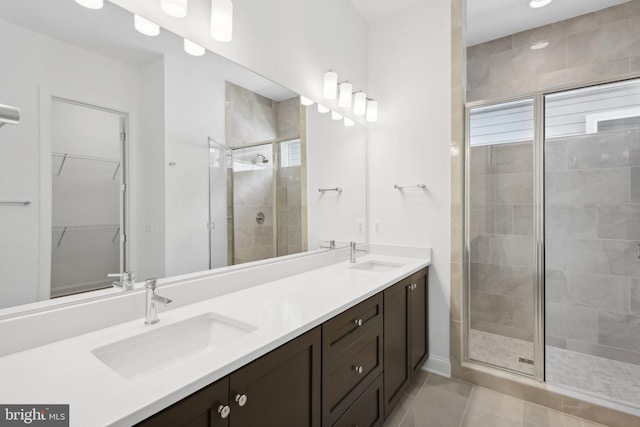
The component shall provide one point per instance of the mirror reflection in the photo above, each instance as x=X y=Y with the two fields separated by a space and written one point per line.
x=137 y=156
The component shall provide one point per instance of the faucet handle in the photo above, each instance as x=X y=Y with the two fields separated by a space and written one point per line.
x=150 y=283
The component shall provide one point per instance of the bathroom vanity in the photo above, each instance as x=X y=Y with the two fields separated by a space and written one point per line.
x=313 y=340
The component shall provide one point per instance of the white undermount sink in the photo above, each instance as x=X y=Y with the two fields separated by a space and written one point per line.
x=162 y=345
x=378 y=266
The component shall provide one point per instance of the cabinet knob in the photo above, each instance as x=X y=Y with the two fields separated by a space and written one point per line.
x=358 y=322
x=358 y=369
x=241 y=399
x=224 y=411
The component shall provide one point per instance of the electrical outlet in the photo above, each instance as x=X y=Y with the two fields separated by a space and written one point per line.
x=360 y=224
x=376 y=225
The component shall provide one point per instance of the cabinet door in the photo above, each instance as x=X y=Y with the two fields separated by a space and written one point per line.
x=198 y=410
x=418 y=311
x=281 y=389
x=396 y=339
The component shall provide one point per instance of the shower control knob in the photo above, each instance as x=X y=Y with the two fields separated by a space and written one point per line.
x=224 y=411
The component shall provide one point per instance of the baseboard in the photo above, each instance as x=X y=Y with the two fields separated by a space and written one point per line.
x=438 y=365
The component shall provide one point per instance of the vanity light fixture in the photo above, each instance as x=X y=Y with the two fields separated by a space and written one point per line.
x=91 y=4
x=535 y=4
x=372 y=110
x=175 y=8
x=192 y=48
x=222 y=20
x=145 y=26
x=346 y=92
x=359 y=103
x=539 y=45
x=305 y=101
x=336 y=116
x=322 y=109
x=348 y=122
x=330 y=88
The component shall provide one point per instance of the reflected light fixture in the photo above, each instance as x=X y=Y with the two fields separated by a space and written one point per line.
x=539 y=45
x=336 y=115
x=305 y=101
x=222 y=20
x=330 y=88
x=348 y=122
x=145 y=26
x=346 y=92
x=360 y=103
x=91 y=4
x=175 y=8
x=539 y=3
x=192 y=48
x=322 y=109
x=372 y=110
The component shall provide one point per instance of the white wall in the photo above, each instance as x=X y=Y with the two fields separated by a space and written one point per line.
x=336 y=157
x=409 y=74
x=292 y=42
x=33 y=65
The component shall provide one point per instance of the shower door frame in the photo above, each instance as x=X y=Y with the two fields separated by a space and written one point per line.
x=538 y=239
x=538 y=232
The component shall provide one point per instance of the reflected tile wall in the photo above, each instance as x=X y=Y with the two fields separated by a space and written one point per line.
x=597 y=46
x=592 y=219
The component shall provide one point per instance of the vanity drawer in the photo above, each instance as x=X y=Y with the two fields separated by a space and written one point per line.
x=343 y=330
x=348 y=375
x=367 y=411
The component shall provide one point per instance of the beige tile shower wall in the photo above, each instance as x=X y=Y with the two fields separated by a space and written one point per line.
x=501 y=242
x=289 y=210
x=593 y=228
x=598 y=46
x=250 y=118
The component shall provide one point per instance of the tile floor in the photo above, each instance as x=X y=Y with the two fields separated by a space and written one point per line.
x=436 y=401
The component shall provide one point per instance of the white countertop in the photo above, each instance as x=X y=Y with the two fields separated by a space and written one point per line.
x=66 y=372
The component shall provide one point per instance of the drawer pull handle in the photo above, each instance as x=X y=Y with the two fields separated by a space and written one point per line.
x=358 y=369
x=358 y=322
x=224 y=411
x=412 y=287
x=241 y=399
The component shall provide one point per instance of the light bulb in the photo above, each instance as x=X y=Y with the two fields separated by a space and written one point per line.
x=175 y=8
x=145 y=26
x=322 y=109
x=336 y=116
x=222 y=20
x=539 y=3
x=346 y=90
x=360 y=103
x=192 y=48
x=372 y=110
x=330 y=85
x=91 y=4
x=348 y=122
x=305 y=100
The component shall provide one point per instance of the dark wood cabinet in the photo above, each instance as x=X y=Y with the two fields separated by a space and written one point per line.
x=352 y=357
x=368 y=410
x=406 y=344
x=280 y=389
x=204 y=408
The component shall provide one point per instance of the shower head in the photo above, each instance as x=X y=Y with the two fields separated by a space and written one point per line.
x=260 y=158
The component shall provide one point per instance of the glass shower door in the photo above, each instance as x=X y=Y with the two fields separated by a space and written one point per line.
x=500 y=247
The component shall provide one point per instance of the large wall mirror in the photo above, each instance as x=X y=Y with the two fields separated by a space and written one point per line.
x=133 y=155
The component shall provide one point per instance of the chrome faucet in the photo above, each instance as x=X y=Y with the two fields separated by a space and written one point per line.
x=127 y=280
x=152 y=301
x=332 y=245
x=352 y=258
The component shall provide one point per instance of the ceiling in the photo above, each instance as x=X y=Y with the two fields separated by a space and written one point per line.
x=492 y=19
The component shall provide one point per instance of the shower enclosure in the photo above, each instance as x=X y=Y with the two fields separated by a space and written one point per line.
x=552 y=255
